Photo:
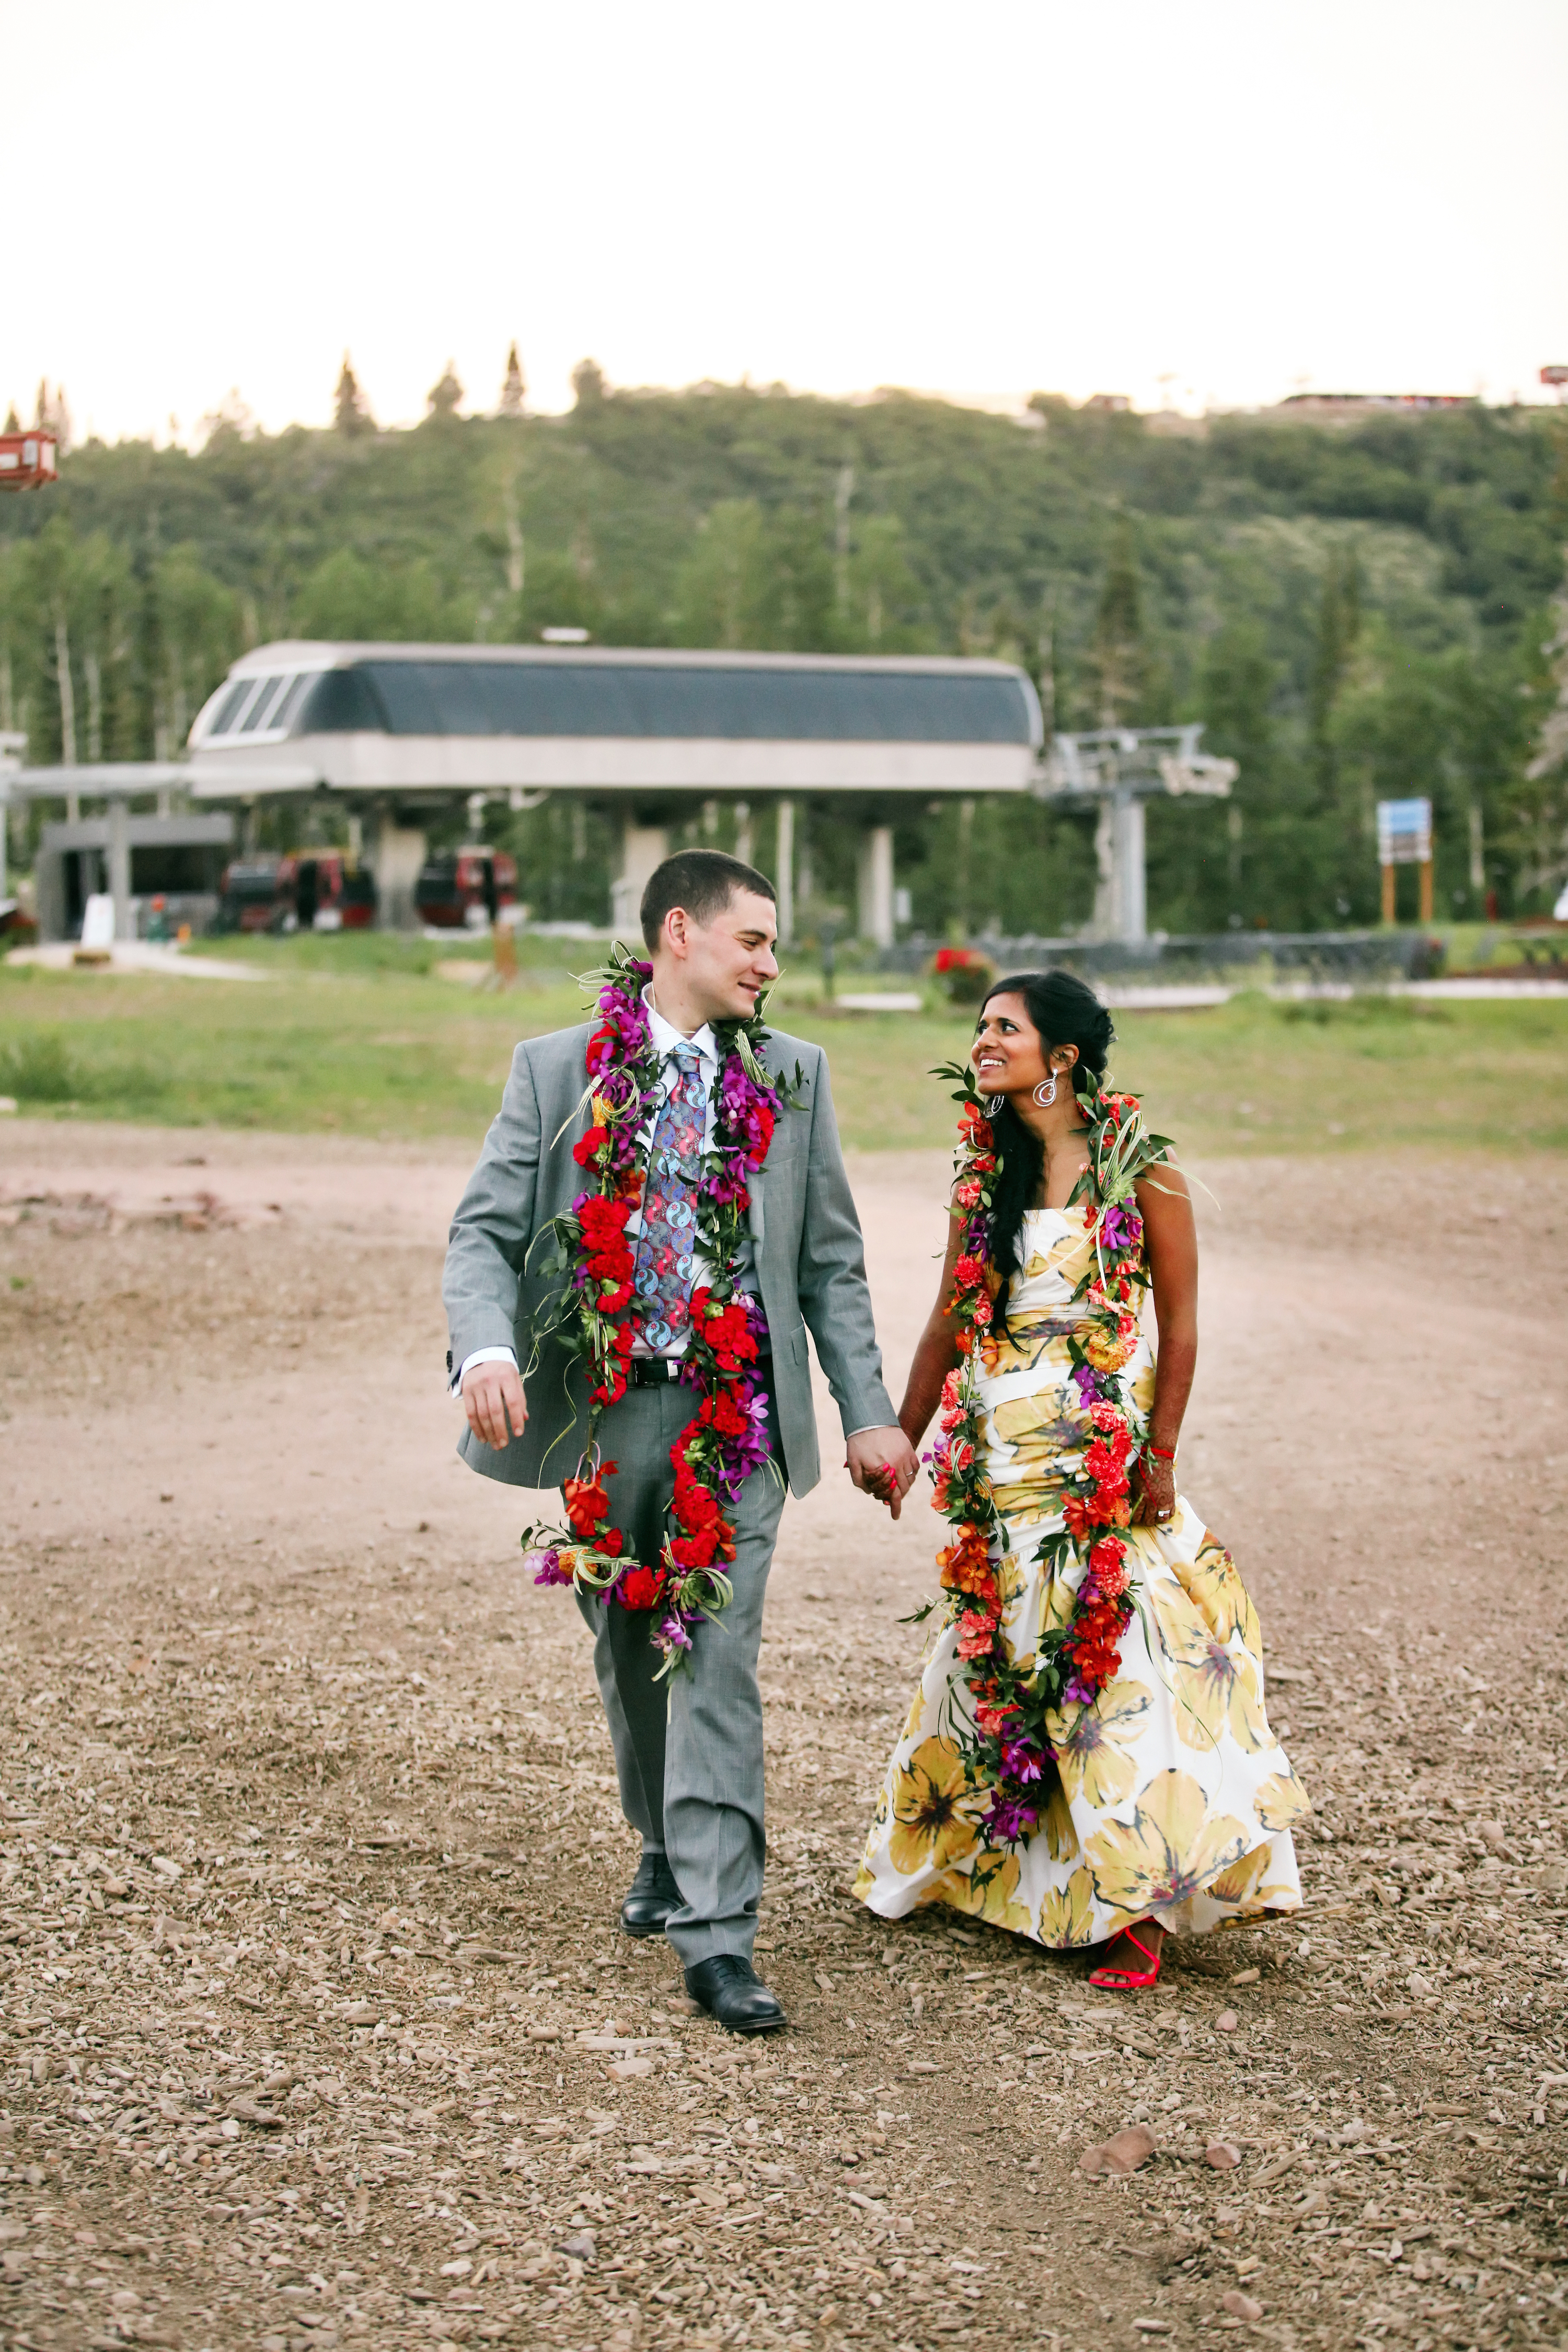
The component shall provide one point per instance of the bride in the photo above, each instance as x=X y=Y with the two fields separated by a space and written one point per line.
x=1087 y=1761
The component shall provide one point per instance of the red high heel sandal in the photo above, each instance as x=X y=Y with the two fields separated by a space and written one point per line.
x=1129 y=1979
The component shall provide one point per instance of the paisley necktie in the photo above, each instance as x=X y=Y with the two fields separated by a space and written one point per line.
x=664 y=1276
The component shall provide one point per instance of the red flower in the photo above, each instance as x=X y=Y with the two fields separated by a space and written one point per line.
x=720 y=1413
x=994 y=1720
x=587 y=1502
x=726 y=1331
x=590 y=1146
x=762 y=1122
x=976 y=1635
x=641 y=1587
x=1107 y=1554
x=602 y=1223
x=1077 y=1512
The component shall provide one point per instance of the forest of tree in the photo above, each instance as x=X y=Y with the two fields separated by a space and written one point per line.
x=1356 y=612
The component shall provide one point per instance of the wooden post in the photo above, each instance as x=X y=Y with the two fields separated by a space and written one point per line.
x=503 y=948
x=1388 y=907
x=1426 y=890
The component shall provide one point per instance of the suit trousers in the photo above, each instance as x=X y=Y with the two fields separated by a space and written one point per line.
x=688 y=1750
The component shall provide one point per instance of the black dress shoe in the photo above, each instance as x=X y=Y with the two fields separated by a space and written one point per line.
x=730 y=1989
x=650 y=1899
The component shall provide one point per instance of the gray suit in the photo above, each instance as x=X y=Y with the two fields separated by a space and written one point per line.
x=691 y=1771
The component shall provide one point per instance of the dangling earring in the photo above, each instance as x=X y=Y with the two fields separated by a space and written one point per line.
x=1046 y=1092
x=994 y=1104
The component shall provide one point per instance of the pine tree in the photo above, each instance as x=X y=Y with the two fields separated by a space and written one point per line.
x=1540 y=810
x=513 y=388
x=1118 y=655
x=351 y=413
x=52 y=415
x=1338 y=628
x=445 y=398
x=13 y=422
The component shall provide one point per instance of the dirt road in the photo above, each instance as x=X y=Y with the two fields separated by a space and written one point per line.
x=315 y=2026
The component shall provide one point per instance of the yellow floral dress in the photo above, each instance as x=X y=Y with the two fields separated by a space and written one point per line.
x=1175 y=1799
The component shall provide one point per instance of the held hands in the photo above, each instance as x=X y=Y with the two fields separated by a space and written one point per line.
x=493 y=1401
x=882 y=1463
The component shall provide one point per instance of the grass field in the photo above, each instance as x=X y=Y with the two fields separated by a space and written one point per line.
x=371 y=1041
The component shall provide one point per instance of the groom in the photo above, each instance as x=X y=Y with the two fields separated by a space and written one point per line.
x=689 y=1751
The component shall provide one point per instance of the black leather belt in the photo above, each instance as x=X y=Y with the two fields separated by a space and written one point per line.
x=659 y=1371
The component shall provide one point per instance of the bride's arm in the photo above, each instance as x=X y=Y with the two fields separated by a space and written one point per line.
x=936 y=1351
x=1170 y=1245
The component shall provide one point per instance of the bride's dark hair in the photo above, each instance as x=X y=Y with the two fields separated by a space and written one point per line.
x=1066 y=1011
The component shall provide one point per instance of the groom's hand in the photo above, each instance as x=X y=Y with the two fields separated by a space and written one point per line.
x=494 y=1402
x=883 y=1463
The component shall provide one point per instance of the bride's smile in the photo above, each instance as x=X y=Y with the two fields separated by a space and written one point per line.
x=1006 y=1057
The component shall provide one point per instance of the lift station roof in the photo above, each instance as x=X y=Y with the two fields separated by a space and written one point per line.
x=413 y=718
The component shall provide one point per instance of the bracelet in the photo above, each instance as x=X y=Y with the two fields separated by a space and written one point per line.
x=1160 y=1454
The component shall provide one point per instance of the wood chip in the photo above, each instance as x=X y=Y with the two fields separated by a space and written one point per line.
x=1123 y=2152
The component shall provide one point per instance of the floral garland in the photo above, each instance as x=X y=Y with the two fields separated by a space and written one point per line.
x=728 y=1437
x=1007 y=1749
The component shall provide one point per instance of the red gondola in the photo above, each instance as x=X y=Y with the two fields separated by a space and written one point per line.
x=27 y=460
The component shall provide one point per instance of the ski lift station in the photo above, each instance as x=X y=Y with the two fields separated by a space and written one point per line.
x=397 y=732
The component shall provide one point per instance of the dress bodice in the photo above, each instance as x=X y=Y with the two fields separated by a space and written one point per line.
x=1057 y=1252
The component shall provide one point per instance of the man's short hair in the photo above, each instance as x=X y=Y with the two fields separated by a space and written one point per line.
x=704 y=881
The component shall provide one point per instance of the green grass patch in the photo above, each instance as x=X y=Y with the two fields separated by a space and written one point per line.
x=358 y=955
x=41 y=1069
x=378 y=1046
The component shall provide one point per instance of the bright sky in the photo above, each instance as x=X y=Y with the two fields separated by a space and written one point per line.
x=1216 y=202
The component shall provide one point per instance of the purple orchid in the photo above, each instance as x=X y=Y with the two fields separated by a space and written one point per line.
x=545 y=1566
x=670 y=1634
x=1009 y=1818
x=1021 y=1760
x=1121 y=1228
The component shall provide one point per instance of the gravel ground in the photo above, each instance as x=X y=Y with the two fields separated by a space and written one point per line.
x=315 y=2025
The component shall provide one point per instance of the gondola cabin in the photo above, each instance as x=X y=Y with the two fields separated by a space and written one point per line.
x=27 y=460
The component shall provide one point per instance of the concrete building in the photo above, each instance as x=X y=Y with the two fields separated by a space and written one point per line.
x=397 y=731
x=178 y=858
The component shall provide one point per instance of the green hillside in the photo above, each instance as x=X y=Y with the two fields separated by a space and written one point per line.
x=1356 y=612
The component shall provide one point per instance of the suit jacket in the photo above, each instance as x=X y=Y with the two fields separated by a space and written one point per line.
x=811 y=1266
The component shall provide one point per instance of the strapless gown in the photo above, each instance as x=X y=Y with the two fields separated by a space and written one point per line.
x=1174 y=1799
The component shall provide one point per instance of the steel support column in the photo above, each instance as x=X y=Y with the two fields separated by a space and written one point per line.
x=120 y=868
x=874 y=885
x=784 y=871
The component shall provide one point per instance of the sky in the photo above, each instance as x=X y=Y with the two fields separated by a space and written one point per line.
x=1209 y=204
